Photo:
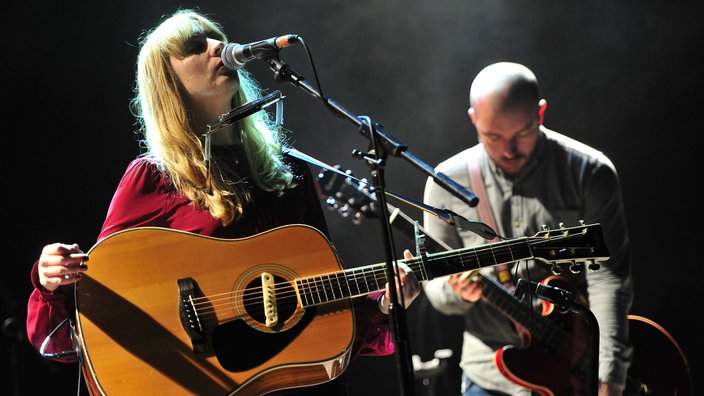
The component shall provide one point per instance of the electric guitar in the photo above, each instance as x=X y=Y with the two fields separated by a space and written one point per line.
x=552 y=357
x=171 y=312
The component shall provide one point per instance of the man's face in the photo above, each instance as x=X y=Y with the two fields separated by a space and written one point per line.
x=509 y=138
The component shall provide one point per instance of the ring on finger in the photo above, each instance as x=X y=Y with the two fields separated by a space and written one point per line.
x=67 y=276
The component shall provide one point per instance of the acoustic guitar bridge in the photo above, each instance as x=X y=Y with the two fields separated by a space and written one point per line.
x=269 y=298
x=191 y=321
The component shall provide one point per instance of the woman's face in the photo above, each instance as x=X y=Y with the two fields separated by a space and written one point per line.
x=202 y=74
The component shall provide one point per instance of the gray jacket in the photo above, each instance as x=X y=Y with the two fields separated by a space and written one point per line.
x=565 y=181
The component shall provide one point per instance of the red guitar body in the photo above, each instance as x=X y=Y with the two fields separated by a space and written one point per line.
x=554 y=359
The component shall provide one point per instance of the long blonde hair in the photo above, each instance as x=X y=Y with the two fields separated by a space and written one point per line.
x=170 y=139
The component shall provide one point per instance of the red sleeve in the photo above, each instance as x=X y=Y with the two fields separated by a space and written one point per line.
x=373 y=336
x=45 y=312
x=139 y=199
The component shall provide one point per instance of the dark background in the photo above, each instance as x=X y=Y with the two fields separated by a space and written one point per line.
x=622 y=76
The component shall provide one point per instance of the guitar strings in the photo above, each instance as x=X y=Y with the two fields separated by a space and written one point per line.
x=254 y=293
x=315 y=286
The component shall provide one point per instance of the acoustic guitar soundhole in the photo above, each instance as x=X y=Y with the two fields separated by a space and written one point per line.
x=240 y=346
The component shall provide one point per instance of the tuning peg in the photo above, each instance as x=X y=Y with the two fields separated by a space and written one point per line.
x=593 y=266
x=331 y=202
x=344 y=210
x=357 y=218
x=565 y=231
x=556 y=269
x=576 y=267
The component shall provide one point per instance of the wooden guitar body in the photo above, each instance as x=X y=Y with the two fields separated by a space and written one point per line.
x=659 y=366
x=166 y=311
x=133 y=338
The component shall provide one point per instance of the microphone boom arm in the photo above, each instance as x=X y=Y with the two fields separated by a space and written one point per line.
x=284 y=73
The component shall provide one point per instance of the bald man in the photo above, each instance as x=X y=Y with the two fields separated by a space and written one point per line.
x=527 y=176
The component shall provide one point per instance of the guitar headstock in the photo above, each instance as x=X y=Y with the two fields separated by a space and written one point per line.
x=348 y=195
x=564 y=246
x=570 y=246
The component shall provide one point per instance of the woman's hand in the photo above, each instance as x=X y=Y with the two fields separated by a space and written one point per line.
x=61 y=264
x=409 y=285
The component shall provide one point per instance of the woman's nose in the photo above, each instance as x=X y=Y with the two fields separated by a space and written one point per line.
x=216 y=46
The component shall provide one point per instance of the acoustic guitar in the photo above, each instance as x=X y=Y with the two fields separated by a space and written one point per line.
x=170 y=312
x=553 y=357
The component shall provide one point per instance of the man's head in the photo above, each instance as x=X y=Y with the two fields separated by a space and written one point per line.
x=506 y=109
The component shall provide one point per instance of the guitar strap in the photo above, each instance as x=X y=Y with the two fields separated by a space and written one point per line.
x=485 y=214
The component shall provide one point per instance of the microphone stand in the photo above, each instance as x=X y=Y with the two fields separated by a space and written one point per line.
x=382 y=144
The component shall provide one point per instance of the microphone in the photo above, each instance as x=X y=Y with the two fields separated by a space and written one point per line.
x=235 y=56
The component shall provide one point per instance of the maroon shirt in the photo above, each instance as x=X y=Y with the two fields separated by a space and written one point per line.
x=144 y=197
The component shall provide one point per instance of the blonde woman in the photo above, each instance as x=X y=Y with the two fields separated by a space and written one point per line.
x=248 y=186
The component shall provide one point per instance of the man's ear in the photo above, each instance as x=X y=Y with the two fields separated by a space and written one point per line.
x=542 y=105
x=472 y=115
